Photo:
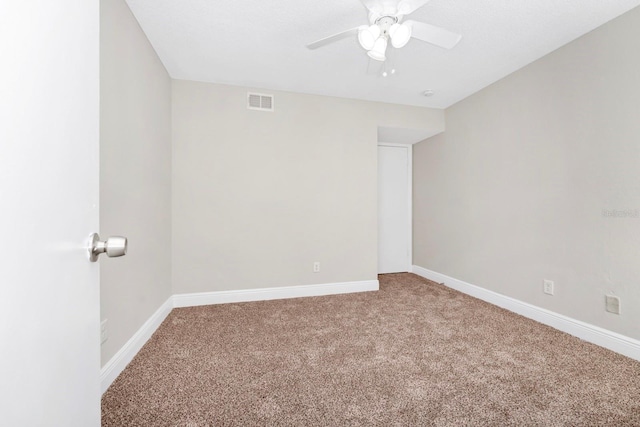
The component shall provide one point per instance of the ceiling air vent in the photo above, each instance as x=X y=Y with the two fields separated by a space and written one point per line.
x=259 y=101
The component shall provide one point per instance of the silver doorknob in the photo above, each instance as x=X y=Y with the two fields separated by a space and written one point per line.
x=114 y=246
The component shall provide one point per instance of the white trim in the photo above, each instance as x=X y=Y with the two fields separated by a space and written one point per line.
x=613 y=341
x=121 y=359
x=264 y=294
x=409 y=148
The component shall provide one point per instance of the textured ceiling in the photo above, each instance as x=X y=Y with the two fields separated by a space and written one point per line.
x=261 y=44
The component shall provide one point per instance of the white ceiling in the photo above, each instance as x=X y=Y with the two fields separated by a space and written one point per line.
x=261 y=44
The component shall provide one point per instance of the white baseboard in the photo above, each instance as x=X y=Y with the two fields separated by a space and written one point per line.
x=263 y=294
x=611 y=340
x=121 y=359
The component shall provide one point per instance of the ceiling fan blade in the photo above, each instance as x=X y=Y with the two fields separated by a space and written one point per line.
x=334 y=38
x=434 y=35
x=406 y=7
x=373 y=5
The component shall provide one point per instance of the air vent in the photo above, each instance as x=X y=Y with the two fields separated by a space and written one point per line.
x=259 y=101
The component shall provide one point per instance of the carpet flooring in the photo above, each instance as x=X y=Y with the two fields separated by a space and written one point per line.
x=415 y=353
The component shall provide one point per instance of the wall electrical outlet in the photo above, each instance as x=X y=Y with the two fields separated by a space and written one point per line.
x=316 y=267
x=547 y=287
x=104 y=336
x=612 y=304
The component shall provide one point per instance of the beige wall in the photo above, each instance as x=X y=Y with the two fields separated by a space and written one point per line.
x=259 y=196
x=514 y=191
x=135 y=174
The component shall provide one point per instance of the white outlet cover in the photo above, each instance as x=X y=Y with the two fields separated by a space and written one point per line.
x=612 y=304
x=547 y=287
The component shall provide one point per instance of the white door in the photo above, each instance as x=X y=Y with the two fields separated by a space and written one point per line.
x=394 y=209
x=49 y=132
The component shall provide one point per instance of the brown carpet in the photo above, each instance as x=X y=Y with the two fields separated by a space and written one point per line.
x=413 y=353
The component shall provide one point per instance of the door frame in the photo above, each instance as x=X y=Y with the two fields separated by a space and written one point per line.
x=409 y=148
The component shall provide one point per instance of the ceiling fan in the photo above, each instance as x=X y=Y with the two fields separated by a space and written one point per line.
x=386 y=23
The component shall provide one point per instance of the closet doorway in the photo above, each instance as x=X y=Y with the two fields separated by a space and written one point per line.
x=394 y=208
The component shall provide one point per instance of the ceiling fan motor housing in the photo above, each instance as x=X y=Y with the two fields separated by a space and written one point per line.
x=385 y=22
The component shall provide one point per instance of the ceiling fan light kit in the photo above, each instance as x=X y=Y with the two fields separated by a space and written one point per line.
x=400 y=35
x=379 y=49
x=367 y=36
x=375 y=38
x=385 y=18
